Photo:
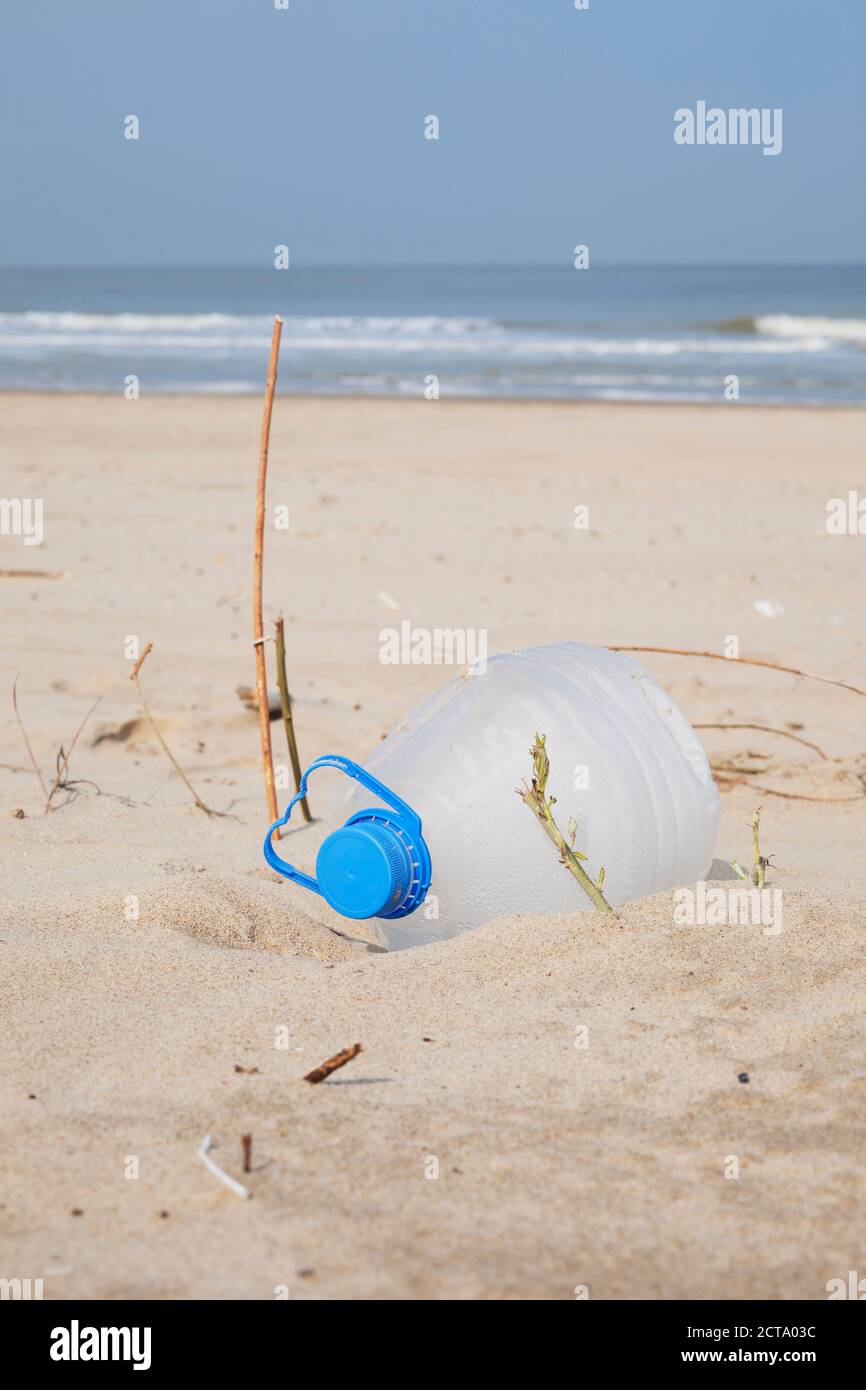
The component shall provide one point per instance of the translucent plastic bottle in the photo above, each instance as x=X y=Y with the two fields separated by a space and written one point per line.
x=623 y=762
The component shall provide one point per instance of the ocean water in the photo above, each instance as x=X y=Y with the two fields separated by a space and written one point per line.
x=795 y=334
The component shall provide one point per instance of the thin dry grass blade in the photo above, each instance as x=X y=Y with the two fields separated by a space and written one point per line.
x=33 y=762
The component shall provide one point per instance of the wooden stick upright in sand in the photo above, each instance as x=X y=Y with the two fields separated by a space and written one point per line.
x=258 y=554
x=286 y=703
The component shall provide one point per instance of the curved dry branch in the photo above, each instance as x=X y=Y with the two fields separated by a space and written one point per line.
x=768 y=729
x=746 y=661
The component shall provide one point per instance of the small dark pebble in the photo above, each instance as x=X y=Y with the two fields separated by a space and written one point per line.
x=743 y=1076
x=76 y=1211
x=306 y=1273
x=164 y=1214
x=31 y=1096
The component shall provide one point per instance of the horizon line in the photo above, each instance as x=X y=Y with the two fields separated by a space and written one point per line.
x=431 y=265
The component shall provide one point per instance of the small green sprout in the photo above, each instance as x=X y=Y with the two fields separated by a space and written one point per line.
x=758 y=872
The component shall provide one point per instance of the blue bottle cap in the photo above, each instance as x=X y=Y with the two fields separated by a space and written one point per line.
x=377 y=865
x=364 y=870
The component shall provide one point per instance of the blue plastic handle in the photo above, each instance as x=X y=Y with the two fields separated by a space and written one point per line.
x=351 y=769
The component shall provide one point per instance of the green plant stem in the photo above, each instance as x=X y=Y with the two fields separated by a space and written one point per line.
x=759 y=871
x=758 y=874
x=286 y=703
x=535 y=798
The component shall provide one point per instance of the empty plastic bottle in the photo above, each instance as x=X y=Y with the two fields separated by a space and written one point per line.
x=624 y=764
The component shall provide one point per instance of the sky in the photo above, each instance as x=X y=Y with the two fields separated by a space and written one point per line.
x=305 y=127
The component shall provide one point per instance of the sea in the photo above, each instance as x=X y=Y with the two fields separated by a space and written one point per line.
x=770 y=335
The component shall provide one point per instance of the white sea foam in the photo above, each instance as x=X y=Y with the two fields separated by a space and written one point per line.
x=779 y=355
x=71 y=322
x=796 y=325
x=419 y=334
x=667 y=347
x=65 y=326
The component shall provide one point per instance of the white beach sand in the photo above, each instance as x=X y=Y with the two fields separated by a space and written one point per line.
x=558 y=1166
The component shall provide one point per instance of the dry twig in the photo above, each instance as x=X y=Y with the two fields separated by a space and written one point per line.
x=788 y=796
x=60 y=782
x=135 y=678
x=746 y=661
x=63 y=760
x=768 y=729
x=770 y=666
x=33 y=761
x=333 y=1064
x=258 y=556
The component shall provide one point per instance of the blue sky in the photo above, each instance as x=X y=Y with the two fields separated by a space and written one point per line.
x=306 y=127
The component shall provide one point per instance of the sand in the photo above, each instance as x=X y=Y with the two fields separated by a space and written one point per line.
x=557 y=1166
